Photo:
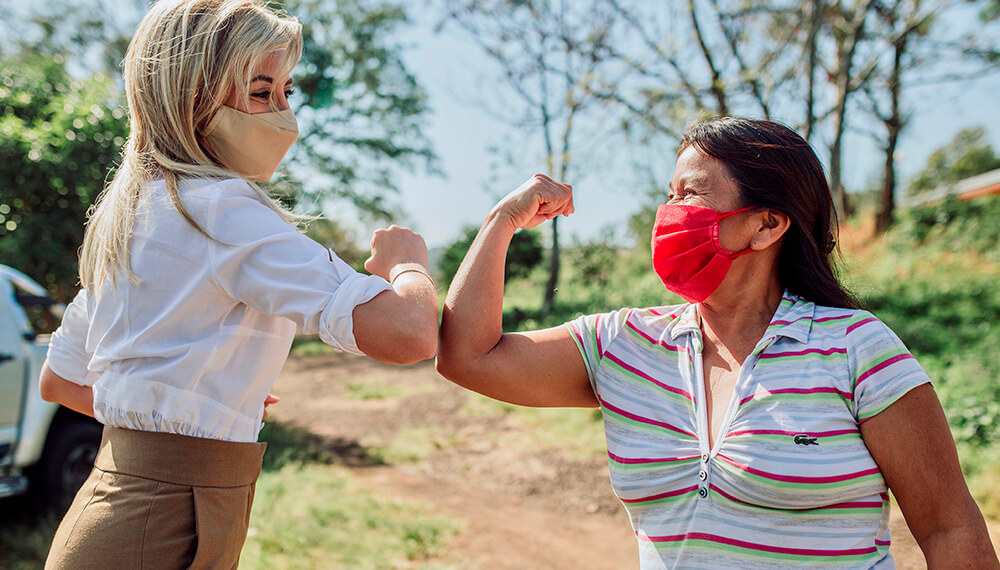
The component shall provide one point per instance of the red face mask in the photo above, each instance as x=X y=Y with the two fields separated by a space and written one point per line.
x=687 y=254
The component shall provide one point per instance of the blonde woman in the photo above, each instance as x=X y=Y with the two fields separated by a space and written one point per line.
x=194 y=283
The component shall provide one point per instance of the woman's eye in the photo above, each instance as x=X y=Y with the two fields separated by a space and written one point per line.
x=683 y=194
x=262 y=95
x=289 y=93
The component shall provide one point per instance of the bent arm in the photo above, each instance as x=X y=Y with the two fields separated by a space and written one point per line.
x=912 y=445
x=55 y=388
x=538 y=368
x=400 y=326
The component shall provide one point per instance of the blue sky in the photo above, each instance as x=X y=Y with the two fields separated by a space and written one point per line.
x=461 y=132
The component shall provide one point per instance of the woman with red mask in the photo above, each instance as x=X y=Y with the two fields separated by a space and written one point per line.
x=763 y=422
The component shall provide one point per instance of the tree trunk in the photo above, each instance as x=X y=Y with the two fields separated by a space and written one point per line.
x=718 y=86
x=812 y=58
x=836 y=185
x=550 y=286
x=884 y=218
x=847 y=43
x=894 y=125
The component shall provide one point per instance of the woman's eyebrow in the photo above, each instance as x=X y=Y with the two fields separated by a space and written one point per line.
x=267 y=78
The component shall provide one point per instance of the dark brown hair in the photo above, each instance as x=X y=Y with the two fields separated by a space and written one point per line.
x=774 y=167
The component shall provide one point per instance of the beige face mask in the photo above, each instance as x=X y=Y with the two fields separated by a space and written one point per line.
x=251 y=145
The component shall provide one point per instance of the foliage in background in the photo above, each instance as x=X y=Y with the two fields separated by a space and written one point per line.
x=360 y=111
x=546 y=55
x=933 y=280
x=340 y=239
x=967 y=154
x=953 y=225
x=523 y=255
x=59 y=135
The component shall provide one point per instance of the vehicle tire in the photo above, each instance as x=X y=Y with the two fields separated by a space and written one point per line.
x=67 y=461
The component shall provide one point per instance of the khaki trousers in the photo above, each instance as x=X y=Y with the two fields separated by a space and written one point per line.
x=160 y=501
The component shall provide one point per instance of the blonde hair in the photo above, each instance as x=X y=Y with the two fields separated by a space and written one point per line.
x=186 y=58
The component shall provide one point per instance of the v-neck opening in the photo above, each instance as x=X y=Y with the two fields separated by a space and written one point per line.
x=697 y=351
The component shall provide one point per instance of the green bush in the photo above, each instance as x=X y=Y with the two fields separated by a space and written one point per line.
x=523 y=255
x=933 y=280
x=952 y=225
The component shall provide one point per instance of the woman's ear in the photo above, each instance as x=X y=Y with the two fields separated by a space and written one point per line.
x=773 y=225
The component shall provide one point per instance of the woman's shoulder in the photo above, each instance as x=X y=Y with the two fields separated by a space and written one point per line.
x=842 y=315
x=200 y=192
x=857 y=325
x=658 y=317
x=216 y=189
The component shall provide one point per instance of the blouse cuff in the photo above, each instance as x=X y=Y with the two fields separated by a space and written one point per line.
x=337 y=320
x=72 y=370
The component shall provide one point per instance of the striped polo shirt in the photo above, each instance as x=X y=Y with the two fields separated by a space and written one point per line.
x=789 y=481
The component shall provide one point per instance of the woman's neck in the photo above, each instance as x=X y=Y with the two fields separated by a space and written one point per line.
x=738 y=313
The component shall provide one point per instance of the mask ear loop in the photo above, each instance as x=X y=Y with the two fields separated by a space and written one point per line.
x=716 y=228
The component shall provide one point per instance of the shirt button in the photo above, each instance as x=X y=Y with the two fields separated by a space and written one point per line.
x=703 y=475
x=705 y=458
x=702 y=492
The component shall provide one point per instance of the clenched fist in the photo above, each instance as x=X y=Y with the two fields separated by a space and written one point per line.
x=540 y=198
x=393 y=246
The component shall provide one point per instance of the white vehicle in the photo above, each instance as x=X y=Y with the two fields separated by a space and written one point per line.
x=43 y=446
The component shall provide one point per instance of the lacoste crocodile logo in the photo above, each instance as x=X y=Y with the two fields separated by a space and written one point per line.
x=804 y=439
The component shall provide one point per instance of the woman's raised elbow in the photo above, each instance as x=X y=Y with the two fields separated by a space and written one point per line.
x=450 y=365
x=405 y=342
x=47 y=390
x=49 y=384
x=419 y=347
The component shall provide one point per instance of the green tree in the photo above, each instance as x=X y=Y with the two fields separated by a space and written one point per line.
x=58 y=138
x=968 y=154
x=340 y=239
x=360 y=109
x=524 y=254
x=547 y=54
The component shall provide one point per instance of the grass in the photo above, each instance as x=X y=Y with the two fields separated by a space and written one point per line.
x=412 y=445
x=577 y=431
x=318 y=516
x=27 y=531
x=309 y=346
x=311 y=513
x=379 y=389
x=308 y=512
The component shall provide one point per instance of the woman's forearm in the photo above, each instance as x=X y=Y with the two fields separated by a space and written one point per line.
x=534 y=368
x=55 y=388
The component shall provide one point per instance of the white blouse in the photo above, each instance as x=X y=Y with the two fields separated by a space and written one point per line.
x=196 y=346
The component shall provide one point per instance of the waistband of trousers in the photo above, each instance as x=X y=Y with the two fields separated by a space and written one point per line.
x=179 y=459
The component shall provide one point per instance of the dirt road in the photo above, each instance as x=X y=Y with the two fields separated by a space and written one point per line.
x=524 y=507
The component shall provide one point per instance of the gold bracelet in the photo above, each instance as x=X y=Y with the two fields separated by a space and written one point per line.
x=414 y=270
